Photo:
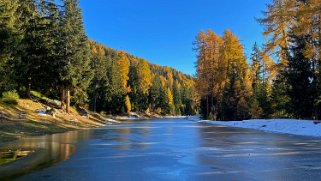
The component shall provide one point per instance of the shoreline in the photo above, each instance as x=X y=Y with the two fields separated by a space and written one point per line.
x=35 y=124
x=281 y=126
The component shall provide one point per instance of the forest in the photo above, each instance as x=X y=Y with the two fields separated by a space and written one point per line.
x=44 y=50
x=281 y=79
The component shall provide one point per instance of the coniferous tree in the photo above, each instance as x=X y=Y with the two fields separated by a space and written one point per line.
x=34 y=49
x=124 y=65
x=286 y=20
x=302 y=85
x=44 y=48
x=236 y=90
x=177 y=98
x=10 y=38
x=144 y=82
x=154 y=94
x=74 y=71
x=222 y=76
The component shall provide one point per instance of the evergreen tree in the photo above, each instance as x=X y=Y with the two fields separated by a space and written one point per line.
x=177 y=97
x=302 y=85
x=10 y=38
x=75 y=73
x=115 y=89
x=36 y=49
x=154 y=94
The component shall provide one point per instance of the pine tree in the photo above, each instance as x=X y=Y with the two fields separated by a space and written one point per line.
x=75 y=74
x=154 y=94
x=10 y=38
x=177 y=98
x=53 y=47
x=302 y=85
x=98 y=87
x=115 y=89
x=284 y=20
x=260 y=78
x=36 y=47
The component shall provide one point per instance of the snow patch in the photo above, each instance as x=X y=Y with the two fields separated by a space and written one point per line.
x=288 y=126
x=194 y=118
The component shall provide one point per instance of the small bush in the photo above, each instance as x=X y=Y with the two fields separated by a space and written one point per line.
x=10 y=97
x=36 y=94
x=211 y=117
x=43 y=99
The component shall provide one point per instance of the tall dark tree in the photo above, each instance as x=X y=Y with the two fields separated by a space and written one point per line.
x=74 y=71
x=35 y=48
x=301 y=79
x=177 y=97
x=10 y=38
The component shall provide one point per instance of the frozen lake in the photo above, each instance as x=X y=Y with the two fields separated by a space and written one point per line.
x=166 y=149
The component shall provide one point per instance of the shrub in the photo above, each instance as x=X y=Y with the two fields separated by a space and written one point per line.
x=211 y=117
x=10 y=97
x=43 y=99
x=36 y=94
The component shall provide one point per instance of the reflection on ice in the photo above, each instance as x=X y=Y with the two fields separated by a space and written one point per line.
x=46 y=150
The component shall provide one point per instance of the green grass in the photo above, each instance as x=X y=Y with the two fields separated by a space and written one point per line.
x=4 y=161
x=29 y=128
x=10 y=97
x=42 y=98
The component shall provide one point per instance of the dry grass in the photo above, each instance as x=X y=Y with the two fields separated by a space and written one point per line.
x=23 y=119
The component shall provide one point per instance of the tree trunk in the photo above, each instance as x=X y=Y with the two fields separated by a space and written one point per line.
x=29 y=88
x=62 y=97
x=68 y=100
x=95 y=103
x=207 y=109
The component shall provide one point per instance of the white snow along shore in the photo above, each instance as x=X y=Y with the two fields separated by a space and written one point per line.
x=289 y=126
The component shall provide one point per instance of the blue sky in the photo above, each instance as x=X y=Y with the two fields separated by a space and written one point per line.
x=162 y=31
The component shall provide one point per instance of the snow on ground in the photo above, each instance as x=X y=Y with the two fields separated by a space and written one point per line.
x=112 y=121
x=178 y=117
x=289 y=126
x=194 y=118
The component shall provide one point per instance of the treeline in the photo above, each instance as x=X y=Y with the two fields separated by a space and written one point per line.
x=283 y=78
x=123 y=82
x=43 y=47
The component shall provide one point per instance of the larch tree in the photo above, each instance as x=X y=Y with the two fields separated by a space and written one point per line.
x=170 y=101
x=278 y=21
x=124 y=65
x=144 y=82
x=235 y=99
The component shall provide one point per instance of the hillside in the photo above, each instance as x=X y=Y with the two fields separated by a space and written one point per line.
x=47 y=63
x=28 y=118
x=155 y=88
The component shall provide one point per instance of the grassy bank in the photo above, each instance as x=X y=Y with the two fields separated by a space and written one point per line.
x=25 y=119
